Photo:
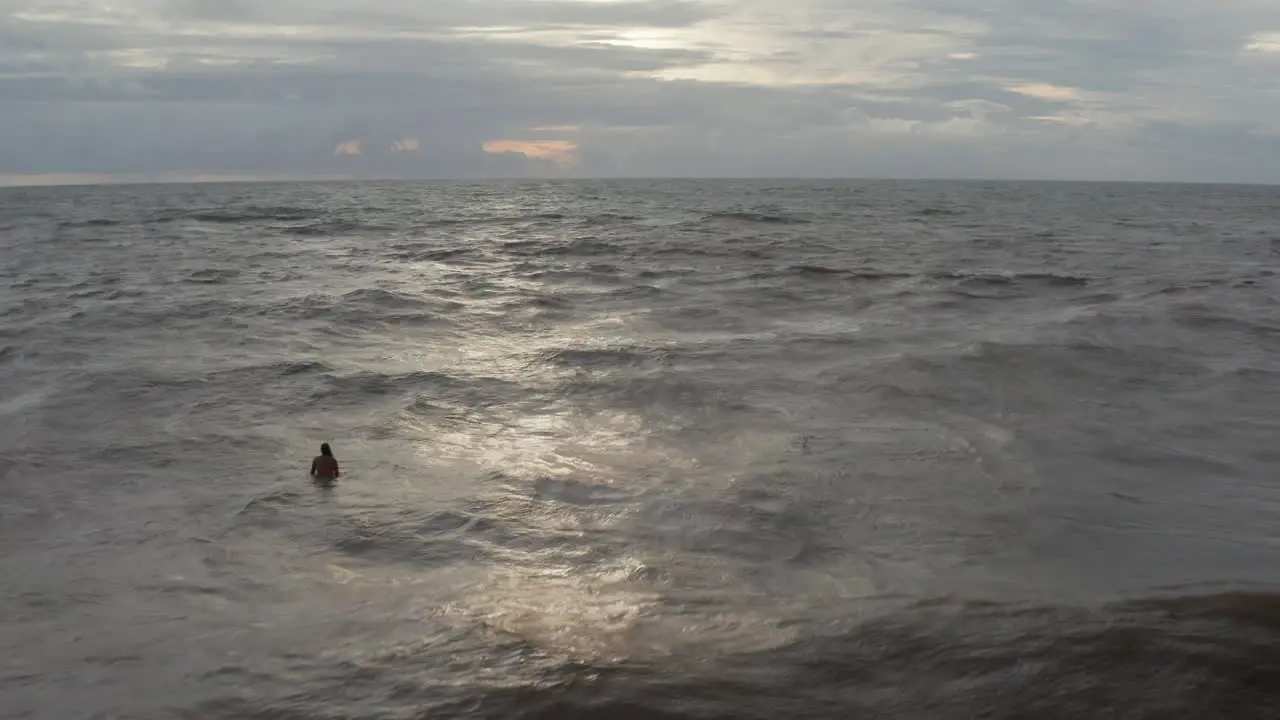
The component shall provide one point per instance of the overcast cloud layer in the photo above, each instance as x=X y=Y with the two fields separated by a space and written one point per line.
x=1072 y=89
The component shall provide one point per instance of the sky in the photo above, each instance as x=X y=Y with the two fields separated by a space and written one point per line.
x=1177 y=90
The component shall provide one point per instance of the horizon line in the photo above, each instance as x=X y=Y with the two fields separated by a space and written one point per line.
x=86 y=180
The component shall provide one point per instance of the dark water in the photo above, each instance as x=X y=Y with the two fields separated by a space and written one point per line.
x=640 y=450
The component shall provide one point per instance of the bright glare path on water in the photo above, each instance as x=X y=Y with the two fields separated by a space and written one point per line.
x=639 y=450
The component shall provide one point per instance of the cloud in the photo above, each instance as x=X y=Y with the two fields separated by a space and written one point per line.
x=349 y=147
x=1264 y=42
x=1048 y=91
x=1184 y=89
x=561 y=153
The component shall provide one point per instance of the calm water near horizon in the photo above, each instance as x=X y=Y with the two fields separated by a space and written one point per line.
x=640 y=449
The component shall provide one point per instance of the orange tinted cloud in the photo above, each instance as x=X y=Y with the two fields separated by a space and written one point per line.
x=406 y=145
x=1047 y=91
x=561 y=152
x=350 y=147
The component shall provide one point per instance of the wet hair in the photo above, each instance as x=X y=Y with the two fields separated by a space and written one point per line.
x=324 y=449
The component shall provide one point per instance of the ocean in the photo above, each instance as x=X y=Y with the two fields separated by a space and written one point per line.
x=640 y=449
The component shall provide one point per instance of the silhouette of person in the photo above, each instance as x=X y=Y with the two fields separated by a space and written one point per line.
x=325 y=465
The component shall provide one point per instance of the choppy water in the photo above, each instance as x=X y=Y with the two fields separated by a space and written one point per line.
x=640 y=450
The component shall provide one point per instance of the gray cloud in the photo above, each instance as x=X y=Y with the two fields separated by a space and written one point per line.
x=1005 y=88
x=1101 y=46
x=398 y=14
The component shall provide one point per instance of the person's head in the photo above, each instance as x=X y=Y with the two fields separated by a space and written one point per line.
x=324 y=449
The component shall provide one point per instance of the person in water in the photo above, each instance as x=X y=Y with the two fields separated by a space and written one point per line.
x=325 y=465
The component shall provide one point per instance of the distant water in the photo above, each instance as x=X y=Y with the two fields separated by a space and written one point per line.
x=640 y=450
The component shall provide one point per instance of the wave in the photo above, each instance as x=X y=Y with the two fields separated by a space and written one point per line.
x=377 y=298
x=415 y=254
x=815 y=270
x=590 y=247
x=1209 y=656
x=367 y=306
x=610 y=219
x=663 y=391
x=940 y=212
x=91 y=223
x=961 y=279
x=1035 y=373
x=1014 y=278
x=758 y=217
x=418 y=393
x=363 y=384
x=1008 y=285
x=249 y=214
x=422 y=540
x=665 y=272
x=595 y=272
x=332 y=227
x=604 y=358
x=538 y=302
x=212 y=276
x=1269 y=375
x=821 y=271
x=448 y=222
x=637 y=292
x=1201 y=316
x=286 y=368
x=666 y=250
